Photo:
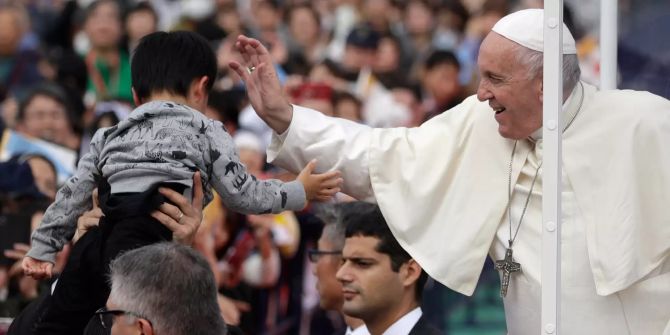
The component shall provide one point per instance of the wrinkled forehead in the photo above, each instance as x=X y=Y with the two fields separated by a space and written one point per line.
x=498 y=52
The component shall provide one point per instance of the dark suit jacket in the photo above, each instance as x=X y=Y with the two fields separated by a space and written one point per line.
x=422 y=327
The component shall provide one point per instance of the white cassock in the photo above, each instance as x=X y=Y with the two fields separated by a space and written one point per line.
x=442 y=188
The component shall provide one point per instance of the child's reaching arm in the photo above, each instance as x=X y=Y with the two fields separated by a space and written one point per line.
x=319 y=187
x=243 y=193
x=60 y=219
x=36 y=268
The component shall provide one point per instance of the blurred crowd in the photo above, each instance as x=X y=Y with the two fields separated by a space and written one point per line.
x=65 y=72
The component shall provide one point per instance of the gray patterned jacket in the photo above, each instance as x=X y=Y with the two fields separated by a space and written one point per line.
x=160 y=141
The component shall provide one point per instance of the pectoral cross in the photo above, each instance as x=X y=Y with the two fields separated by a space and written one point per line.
x=506 y=266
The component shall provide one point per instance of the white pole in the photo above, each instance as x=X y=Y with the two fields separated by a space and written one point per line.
x=608 y=44
x=551 y=174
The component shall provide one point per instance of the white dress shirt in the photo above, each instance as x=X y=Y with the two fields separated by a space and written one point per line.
x=360 y=330
x=405 y=324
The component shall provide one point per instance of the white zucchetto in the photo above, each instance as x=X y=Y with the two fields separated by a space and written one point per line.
x=526 y=27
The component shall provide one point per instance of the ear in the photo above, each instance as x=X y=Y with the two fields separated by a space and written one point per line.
x=199 y=90
x=145 y=327
x=136 y=99
x=412 y=271
x=541 y=91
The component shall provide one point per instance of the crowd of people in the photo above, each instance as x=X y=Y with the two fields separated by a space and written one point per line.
x=65 y=72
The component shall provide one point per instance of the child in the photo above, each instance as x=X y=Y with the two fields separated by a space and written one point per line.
x=163 y=142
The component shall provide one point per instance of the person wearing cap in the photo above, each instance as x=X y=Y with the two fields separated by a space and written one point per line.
x=360 y=48
x=468 y=183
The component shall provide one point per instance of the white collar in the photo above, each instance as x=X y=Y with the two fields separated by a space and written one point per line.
x=570 y=109
x=405 y=324
x=360 y=330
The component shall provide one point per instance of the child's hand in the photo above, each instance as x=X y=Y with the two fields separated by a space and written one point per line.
x=320 y=187
x=36 y=268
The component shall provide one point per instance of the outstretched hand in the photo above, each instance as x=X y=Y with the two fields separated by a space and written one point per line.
x=36 y=268
x=320 y=187
x=263 y=86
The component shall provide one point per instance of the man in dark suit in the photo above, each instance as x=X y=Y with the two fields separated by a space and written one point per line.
x=381 y=283
x=326 y=260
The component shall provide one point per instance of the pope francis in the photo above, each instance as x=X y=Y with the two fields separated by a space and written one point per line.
x=468 y=182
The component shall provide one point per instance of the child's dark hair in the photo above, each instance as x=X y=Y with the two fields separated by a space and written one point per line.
x=439 y=57
x=365 y=219
x=170 y=61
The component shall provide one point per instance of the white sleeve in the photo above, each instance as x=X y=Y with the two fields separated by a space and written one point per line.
x=337 y=144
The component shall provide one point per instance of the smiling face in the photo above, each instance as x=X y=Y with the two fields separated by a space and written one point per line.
x=514 y=95
x=45 y=118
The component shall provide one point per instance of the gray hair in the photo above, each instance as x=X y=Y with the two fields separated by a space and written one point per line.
x=533 y=60
x=333 y=227
x=170 y=285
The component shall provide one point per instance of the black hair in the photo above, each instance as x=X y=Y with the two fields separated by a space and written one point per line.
x=306 y=5
x=88 y=11
x=365 y=219
x=339 y=96
x=227 y=104
x=439 y=57
x=363 y=36
x=171 y=61
x=142 y=6
x=458 y=9
x=72 y=76
x=274 y=4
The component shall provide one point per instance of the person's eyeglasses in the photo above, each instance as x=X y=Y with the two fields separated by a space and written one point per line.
x=314 y=254
x=107 y=316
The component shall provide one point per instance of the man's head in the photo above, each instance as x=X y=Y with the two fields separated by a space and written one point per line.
x=380 y=279
x=440 y=77
x=360 y=48
x=163 y=288
x=328 y=256
x=176 y=63
x=510 y=66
